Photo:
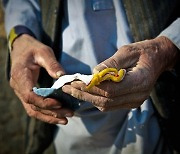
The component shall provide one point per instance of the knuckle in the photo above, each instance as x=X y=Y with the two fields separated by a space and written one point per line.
x=53 y=65
x=103 y=102
x=35 y=115
x=113 y=62
x=101 y=109
x=100 y=101
x=30 y=113
x=44 y=105
x=26 y=98
x=125 y=47
x=11 y=83
x=107 y=94
x=110 y=92
x=50 y=121
x=104 y=109
x=45 y=48
x=76 y=94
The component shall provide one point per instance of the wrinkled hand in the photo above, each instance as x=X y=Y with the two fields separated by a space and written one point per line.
x=144 y=62
x=27 y=57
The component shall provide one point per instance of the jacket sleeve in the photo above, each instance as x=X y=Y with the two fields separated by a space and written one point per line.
x=26 y=13
x=173 y=32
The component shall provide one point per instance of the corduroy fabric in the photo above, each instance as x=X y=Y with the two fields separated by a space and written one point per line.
x=147 y=18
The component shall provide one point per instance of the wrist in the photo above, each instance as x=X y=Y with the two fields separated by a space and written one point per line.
x=16 y=32
x=169 y=52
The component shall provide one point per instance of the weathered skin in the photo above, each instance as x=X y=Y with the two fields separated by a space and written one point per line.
x=27 y=57
x=144 y=61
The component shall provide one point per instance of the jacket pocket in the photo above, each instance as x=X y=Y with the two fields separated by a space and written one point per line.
x=99 y=5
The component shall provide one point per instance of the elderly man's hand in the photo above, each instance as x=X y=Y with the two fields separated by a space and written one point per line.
x=27 y=57
x=144 y=62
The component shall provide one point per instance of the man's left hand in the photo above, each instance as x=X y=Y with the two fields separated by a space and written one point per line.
x=144 y=61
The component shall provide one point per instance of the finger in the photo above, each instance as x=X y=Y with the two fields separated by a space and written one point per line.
x=44 y=117
x=82 y=95
x=134 y=81
x=23 y=89
x=46 y=59
x=21 y=82
x=41 y=102
x=117 y=107
x=79 y=85
x=58 y=113
x=94 y=90
x=131 y=100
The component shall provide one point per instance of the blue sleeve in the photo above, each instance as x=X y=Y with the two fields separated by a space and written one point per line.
x=23 y=12
x=173 y=32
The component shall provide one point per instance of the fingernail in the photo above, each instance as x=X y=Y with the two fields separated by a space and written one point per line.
x=58 y=74
x=62 y=122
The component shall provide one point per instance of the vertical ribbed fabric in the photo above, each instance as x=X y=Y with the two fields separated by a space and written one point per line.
x=50 y=10
x=147 y=18
x=40 y=135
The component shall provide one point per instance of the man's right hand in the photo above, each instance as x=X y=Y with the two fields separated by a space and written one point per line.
x=27 y=57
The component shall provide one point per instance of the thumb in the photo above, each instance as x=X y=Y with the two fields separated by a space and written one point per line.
x=48 y=60
x=108 y=63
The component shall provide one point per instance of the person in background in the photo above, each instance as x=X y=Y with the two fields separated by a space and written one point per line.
x=142 y=37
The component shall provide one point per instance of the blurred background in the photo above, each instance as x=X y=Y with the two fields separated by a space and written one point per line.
x=12 y=114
